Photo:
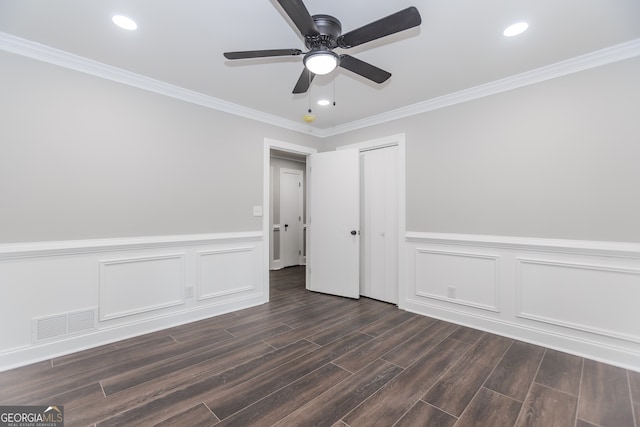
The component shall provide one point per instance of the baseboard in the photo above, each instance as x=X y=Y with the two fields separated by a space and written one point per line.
x=63 y=297
x=575 y=296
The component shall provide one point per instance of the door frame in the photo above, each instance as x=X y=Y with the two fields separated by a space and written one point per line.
x=398 y=140
x=266 y=179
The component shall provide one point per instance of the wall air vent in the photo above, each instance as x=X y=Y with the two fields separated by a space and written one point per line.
x=51 y=327
x=61 y=325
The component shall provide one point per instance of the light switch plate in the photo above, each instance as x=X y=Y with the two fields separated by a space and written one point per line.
x=257 y=211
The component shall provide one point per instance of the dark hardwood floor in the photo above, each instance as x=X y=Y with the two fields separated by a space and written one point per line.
x=307 y=359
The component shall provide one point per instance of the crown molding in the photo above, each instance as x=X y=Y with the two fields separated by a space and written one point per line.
x=68 y=60
x=594 y=59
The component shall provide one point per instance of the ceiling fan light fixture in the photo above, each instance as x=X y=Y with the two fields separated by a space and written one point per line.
x=321 y=62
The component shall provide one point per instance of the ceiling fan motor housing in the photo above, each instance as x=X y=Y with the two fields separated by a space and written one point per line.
x=329 y=29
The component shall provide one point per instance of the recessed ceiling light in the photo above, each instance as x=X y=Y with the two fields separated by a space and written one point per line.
x=515 y=29
x=324 y=102
x=124 y=22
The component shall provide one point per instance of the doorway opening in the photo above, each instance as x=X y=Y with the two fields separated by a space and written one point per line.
x=395 y=272
x=298 y=155
x=287 y=206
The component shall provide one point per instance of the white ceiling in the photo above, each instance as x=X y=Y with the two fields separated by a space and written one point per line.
x=458 y=46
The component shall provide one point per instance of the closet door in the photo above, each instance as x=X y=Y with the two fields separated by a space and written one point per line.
x=379 y=219
x=334 y=223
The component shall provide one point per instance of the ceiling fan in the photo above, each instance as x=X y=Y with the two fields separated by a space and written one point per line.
x=323 y=34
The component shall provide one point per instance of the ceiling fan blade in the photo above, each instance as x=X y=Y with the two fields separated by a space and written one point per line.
x=364 y=69
x=262 y=53
x=399 y=21
x=300 y=16
x=304 y=81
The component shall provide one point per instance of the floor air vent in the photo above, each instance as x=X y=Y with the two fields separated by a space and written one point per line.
x=60 y=325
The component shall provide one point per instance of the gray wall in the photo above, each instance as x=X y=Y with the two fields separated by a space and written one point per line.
x=82 y=158
x=559 y=159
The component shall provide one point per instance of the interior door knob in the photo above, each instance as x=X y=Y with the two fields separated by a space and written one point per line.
x=354 y=232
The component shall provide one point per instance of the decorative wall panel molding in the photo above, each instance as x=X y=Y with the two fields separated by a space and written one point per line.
x=132 y=285
x=583 y=296
x=225 y=272
x=463 y=278
x=580 y=297
x=136 y=285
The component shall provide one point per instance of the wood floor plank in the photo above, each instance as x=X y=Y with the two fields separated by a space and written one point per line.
x=318 y=327
x=190 y=393
x=561 y=371
x=75 y=375
x=386 y=323
x=198 y=416
x=424 y=415
x=466 y=334
x=10 y=379
x=419 y=344
x=331 y=406
x=367 y=353
x=391 y=402
x=453 y=392
x=336 y=308
x=175 y=365
x=634 y=384
x=490 y=409
x=111 y=354
x=340 y=330
x=205 y=335
x=150 y=390
x=604 y=396
x=75 y=398
x=286 y=400
x=583 y=423
x=546 y=406
x=515 y=372
x=233 y=399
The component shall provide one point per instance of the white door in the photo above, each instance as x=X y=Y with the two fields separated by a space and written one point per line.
x=290 y=217
x=379 y=226
x=334 y=217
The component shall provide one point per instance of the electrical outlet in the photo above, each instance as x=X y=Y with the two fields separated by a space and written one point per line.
x=188 y=292
x=257 y=211
x=451 y=292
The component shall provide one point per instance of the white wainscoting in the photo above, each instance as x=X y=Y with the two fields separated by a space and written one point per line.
x=465 y=278
x=225 y=272
x=575 y=296
x=137 y=285
x=120 y=288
